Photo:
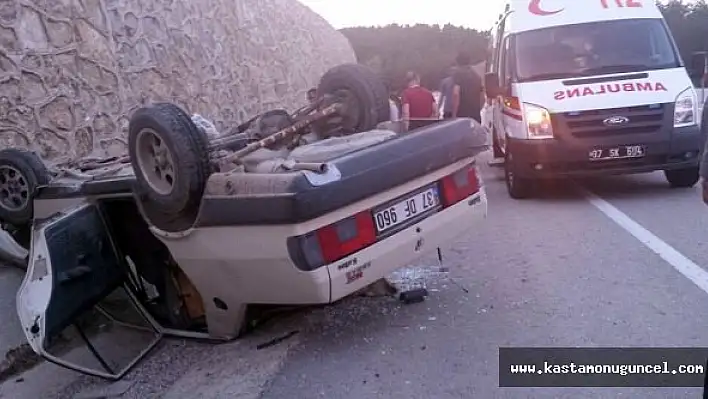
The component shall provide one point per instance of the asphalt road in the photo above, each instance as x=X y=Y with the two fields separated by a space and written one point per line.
x=10 y=333
x=577 y=266
x=551 y=271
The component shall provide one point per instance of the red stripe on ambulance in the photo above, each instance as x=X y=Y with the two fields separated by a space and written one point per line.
x=610 y=88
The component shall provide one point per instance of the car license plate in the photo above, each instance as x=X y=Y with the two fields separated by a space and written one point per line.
x=407 y=209
x=621 y=152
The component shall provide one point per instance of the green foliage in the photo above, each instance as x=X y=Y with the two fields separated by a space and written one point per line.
x=431 y=49
x=688 y=22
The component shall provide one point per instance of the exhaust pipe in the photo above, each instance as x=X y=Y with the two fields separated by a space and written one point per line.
x=317 y=167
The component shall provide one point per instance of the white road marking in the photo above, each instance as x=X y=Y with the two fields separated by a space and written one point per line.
x=673 y=257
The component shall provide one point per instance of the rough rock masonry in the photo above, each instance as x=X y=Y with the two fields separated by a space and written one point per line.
x=72 y=71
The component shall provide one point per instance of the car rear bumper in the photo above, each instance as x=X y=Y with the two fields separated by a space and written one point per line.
x=381 y=259
x=556 y=158
x=242 y=265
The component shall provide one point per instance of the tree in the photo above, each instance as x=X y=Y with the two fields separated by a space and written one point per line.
x=430 y=49
x=688 y=22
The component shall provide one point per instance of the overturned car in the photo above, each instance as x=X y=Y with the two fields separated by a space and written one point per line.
x=287 y=208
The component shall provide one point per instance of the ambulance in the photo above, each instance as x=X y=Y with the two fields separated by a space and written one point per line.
x=589 y=87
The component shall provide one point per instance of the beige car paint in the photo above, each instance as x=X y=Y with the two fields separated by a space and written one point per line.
x=378 y=261
x=241 y=265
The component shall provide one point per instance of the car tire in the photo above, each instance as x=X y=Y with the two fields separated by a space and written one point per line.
x=21 y=172
x=380 y=91
x=518 y=188
x=363 y=93
x=170 y=159
x=682 y=178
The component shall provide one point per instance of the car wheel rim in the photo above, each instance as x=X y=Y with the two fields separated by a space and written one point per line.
x=351 y=111
x=509 y=171
x=14 y=188
x=155 y=161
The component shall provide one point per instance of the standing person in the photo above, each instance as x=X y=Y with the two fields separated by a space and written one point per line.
x=446 y=88
x=467 y=90
x=418 y=103
x=703 y=169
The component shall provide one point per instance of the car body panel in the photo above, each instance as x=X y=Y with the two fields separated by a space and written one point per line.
x=75 y=259
x=235 y=263
x=436 y=231
x=73 y=265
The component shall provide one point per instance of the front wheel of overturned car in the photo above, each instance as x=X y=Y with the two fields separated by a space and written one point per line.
x=21 y=172
x=362 y=93
x=170 y=158
x=682 y=178
x=518 y=187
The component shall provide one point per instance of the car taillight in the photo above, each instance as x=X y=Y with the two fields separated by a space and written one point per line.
x=459 y=185
x=333 y=242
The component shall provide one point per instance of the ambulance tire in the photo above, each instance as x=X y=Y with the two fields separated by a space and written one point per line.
x=496 y=147
x=682 y=178
x=518 y=188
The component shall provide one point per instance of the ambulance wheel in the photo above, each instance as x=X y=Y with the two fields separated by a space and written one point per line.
x=21 y=172
x=682 y=178
x=518 y=188
x=496 y=147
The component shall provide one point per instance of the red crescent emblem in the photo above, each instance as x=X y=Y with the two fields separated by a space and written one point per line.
x=535 y=8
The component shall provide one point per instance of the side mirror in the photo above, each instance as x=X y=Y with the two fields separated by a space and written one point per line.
x=698 y=65
x=491 y=85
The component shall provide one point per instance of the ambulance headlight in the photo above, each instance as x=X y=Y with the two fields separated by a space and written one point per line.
x=538 y=122
x=685 y=109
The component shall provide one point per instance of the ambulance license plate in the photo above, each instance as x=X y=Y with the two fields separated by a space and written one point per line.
x=620 y=152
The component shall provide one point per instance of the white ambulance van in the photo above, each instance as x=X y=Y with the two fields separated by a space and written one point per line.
x=589 y=87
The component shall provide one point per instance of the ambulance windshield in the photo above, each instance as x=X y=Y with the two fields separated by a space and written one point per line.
x=594 y=48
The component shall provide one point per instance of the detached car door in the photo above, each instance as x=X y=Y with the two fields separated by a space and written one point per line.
x=73 y=264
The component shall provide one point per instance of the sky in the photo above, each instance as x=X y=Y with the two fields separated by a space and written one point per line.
x=477 y=14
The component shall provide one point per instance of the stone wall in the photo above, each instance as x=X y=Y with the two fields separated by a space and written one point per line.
x=72 y=71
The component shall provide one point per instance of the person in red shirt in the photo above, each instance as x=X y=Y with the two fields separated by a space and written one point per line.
x=418 y=103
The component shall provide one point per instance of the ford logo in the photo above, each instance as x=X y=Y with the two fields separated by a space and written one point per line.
x=616 y=120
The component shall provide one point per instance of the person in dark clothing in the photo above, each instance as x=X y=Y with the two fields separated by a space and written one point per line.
x=446 y=87
x=703 y=172
x=467 y=90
